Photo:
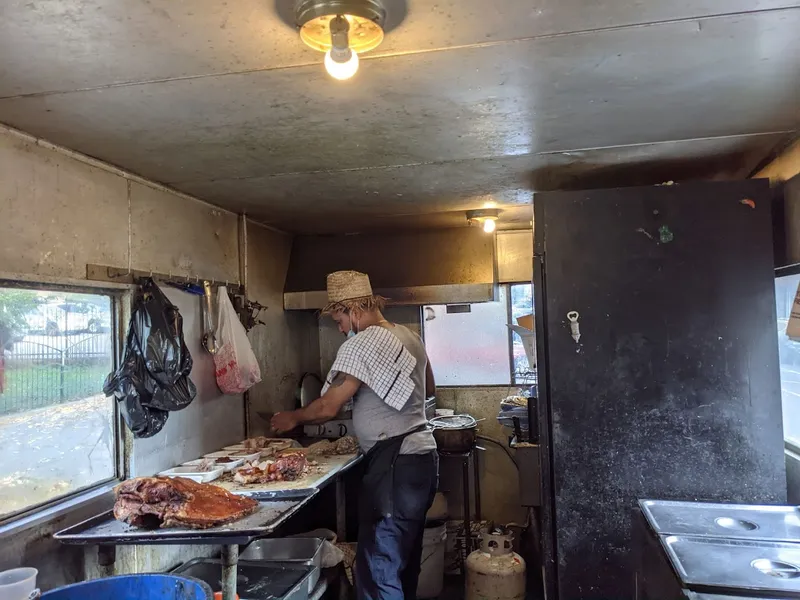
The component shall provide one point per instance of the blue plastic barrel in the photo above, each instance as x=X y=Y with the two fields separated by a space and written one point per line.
x=154 y=586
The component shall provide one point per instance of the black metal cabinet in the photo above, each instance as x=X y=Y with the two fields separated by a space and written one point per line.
x=673 y=390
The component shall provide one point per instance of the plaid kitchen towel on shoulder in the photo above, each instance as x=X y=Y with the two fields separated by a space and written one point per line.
x=378 y=359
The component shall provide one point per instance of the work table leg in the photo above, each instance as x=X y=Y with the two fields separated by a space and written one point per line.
x=230 y=560
x=467 y=526
x=341 y=531
x=341 y=510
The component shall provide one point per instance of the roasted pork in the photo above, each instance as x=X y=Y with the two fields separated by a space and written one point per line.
x=153 y=502
x=289 y=466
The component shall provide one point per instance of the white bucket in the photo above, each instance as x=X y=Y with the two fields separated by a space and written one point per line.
x=431 y=575
x=17 y=584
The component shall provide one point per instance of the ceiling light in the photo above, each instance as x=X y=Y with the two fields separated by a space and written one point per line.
x=342 y=29
x=341 y=69
x=341 y=61
x=486 y=217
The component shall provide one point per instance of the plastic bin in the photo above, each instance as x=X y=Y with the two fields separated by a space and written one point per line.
x=135 y=587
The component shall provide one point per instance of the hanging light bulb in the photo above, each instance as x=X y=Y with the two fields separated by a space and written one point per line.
x=489 y=225
x=342 y=29
x=341 y=61
x=341 y=70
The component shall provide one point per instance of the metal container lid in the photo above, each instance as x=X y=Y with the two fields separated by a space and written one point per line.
x=751 y=566
x=453 y=422
x=736 y=521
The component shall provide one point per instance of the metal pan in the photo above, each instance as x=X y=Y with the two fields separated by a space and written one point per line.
x=105 y=529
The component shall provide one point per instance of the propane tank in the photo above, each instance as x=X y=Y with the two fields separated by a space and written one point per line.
x=495 y=571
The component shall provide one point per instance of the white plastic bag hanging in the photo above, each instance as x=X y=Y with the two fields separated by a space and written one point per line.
x=236 y=366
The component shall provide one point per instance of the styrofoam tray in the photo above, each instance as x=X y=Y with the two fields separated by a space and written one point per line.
x=291 y=443
x=225 y=466
x=191 y=472
x=230 y=453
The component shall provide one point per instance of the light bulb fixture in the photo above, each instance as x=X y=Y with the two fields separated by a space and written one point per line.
x=341 y=61
x=341 y=70
x=342 y=29
x=486 y=218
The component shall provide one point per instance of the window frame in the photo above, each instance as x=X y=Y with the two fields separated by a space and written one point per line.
x=119 y=297
x=509 y=295
x=781 y=272
x=509 y=306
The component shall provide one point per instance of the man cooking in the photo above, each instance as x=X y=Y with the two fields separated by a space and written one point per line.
x=384 y=368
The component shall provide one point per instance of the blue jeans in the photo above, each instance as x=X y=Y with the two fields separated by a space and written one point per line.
x=390 y=548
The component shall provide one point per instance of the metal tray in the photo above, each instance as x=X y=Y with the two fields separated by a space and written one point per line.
x=705 y=564
x=295 y=550
x=105 y=529
x=254 y=581
x=733 y=521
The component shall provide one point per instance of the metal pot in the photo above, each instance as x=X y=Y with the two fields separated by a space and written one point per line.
x=455 y=433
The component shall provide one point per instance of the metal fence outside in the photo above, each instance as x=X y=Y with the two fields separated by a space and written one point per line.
x=42 y=370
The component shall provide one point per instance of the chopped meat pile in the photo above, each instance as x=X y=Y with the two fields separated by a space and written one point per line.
x=288 y=467
x=346 y=445
x=152 y=502
x=321 y=448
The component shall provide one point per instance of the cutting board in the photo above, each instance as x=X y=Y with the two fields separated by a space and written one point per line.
x=326 y=467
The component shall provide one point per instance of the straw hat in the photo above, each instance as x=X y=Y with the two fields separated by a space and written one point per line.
x=348 y=285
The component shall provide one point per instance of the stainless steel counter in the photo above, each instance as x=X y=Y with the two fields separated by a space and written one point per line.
x=739 y=521
x=755 y=566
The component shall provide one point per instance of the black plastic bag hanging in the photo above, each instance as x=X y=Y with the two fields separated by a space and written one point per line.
x=153 y=378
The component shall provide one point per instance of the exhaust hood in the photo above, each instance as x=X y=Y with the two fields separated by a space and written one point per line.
x=443 y=266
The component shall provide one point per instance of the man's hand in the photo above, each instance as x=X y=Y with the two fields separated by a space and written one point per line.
x=342 y=388
x=284 y=421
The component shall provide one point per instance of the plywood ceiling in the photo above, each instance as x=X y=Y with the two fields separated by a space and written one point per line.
x=466 y=102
